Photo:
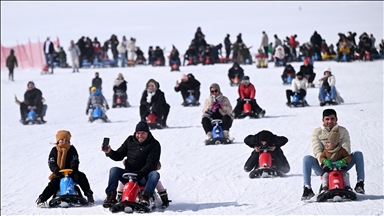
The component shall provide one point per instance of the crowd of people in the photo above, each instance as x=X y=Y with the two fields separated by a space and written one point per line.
x=327 y=140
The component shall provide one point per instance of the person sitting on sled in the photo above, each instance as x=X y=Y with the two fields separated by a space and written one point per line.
x=288 y=70
x=217 y=106
x=235 y=71
x=247 y=90
x=142 y=152
x=274 y=143
x=334 y=153
x=32 y=100
x=299 y=86
x=153 y=99
x=120 y=87
x=64 y=156
x=96 y=99
x=188 y=83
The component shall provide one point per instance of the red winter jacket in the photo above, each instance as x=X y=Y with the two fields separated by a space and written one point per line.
x=292 y=42
x=247 y=91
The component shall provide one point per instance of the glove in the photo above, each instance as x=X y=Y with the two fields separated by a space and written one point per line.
x=107 y=107
x=327 y=162
x=341 y=163
x=326 y=169
x=86 y=112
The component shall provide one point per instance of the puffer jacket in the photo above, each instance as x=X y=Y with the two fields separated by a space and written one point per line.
x=97 y=100
x=299 y=84
x=319 y=138
x=280 y=54
x=226 y=110
x=247 y=91
x=71 y=161
x=141 y=157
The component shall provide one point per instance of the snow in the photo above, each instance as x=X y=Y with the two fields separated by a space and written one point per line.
x=201 y=180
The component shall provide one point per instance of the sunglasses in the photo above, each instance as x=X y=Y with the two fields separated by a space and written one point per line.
x=214 y=91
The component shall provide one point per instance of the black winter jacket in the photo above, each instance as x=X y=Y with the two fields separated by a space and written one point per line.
x=33 y=97
x=157 y=100
x=141 y=157
x=97 y=81
x=307 y=70
x=191 y=84
x=122 y=87
x=71 y=161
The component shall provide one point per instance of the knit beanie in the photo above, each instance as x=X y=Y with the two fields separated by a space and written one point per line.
x=142 y=126
x=61 y=134
x=334 y=137
x=215 y=85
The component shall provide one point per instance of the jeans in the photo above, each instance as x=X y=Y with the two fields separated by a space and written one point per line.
x=323 y=93
x=123 y=59
x=116 y=173
x=310 y=163
x=49 y=60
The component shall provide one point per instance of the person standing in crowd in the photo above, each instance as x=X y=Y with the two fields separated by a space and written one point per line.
x=11 y=63
x=49 y=50
x=227 y=44
x=264 y=43
x=75 y=54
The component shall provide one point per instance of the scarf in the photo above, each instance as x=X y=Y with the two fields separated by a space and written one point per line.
x=62 y=150
x=334 y=153
x=219 y=97
x=118 y=82
x=150 y=95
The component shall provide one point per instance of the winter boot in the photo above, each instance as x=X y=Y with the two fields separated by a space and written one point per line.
x=359 y=188
x=307 y=194
x=144 y=198
x=261 y=114
x=89 y=196
x=209 y=135
x=110 y=200
x=226 y=135
x=164 y=198
x=41 y=201
x=119 y=195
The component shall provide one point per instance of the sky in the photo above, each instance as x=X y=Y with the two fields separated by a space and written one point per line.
x=174 y=23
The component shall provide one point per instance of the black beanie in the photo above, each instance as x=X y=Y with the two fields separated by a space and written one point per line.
x=142 y=126
x=300 y=73
x=265 y=136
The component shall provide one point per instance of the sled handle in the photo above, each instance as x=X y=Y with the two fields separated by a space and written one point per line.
x=66 y=171
x=216 y=121
x=129 y=175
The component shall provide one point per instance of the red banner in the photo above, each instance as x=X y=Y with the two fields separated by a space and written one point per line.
x=28 y=55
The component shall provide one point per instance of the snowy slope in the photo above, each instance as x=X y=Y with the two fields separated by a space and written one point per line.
x=200 y=179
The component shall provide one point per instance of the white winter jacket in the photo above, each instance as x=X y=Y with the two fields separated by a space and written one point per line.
x=121 y=48
x=74 y=51
x=279 y=53
x=319 y=138
x=299 y=84
x=264 y=40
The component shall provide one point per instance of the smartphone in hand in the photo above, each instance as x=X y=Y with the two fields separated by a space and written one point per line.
x=105 y=143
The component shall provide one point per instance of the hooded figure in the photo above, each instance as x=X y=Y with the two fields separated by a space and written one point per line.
x=153 y=100
x=266 y=139
x=11 y=63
